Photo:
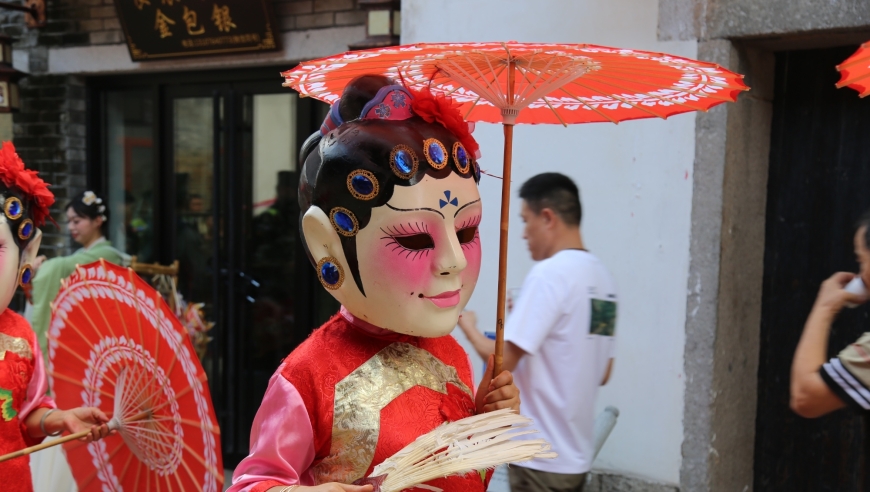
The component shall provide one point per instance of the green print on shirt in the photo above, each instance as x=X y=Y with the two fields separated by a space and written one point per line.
x=6 y=411
x=603 y=319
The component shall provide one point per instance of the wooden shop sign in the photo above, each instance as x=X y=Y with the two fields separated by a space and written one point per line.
x=160 y=29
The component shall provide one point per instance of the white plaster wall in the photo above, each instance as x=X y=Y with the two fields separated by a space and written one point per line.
x=636 y=189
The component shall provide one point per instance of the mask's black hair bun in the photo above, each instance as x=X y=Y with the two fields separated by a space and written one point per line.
x=358 y=93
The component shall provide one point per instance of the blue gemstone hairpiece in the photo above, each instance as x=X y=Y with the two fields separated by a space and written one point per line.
x=362 y=184
x=344 y=221
x=460 y=157
x=404 y=161
x=435 y=153
x=13 y=208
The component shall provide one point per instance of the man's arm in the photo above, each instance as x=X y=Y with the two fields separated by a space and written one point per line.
x=810 y=395
x=484 y=346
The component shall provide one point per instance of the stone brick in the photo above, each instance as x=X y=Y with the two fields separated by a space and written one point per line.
x=287 y=23
x=91 y=25
x=312 y=21
x=90 y=3
x=106 y=37
x=333 y=5
x=102 y=12
x=293 y=8
x=350 y=18
x=113 y=23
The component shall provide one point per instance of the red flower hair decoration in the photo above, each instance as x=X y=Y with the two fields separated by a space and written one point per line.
x=36 y=194
x=445 y=111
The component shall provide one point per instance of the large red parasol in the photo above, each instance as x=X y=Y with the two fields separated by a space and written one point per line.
x=114 y=344
x=512 y=83
x=855 y=71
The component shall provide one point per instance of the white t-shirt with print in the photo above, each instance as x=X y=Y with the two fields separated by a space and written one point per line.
x=564 y=319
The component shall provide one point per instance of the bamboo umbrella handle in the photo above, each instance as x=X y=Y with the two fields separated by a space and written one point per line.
x=505 y=219
x=45 y=445
x=503 y=248
x=113 y=425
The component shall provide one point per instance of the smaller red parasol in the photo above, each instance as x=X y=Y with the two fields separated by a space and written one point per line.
x=855 y=71
x=114 y=344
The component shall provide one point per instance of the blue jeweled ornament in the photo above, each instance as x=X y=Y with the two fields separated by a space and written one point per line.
x=329 y=273
x=476 y=170
x=26 y=275
x=436 y=153
x=404 y=161
x=461 y=156
x=13 y=208
x=344 y=222
x=362 y=184
x=26 y=230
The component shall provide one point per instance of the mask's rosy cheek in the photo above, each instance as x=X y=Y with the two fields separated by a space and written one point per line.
x=472 y=253
x=398 y=270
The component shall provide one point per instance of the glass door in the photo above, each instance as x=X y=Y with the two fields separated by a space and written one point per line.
x=234 y=149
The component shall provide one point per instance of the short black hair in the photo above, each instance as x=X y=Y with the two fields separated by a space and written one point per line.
x=556 y=192
x=96 y=209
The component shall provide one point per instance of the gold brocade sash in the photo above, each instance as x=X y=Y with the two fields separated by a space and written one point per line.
x=18 y=346
x=360 y=397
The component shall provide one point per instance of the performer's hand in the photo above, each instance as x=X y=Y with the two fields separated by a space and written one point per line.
x=495 y=393
x=37 y=262
x=84 y=418
x=832 y=295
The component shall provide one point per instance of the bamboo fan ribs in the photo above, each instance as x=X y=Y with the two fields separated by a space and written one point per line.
x=480 y=442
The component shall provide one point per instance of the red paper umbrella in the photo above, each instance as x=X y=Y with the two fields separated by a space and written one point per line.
x=855 y=71
x=512 y=83
x=115 y=345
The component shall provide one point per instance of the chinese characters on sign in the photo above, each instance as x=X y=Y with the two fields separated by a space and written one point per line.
x=158 y=29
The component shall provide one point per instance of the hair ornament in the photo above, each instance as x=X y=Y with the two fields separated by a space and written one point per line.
x=344 y=221
x=25 y=230
x=403 y=161
x=89 y=198
x=435 y=153
x=460 y=157
x=445 y=111
x=362 y=184
x=35 y=191
x=13 y=208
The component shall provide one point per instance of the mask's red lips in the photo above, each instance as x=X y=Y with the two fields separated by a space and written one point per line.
x=445 y=299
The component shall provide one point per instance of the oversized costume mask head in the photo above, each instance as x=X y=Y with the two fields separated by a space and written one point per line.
x=390 y=207
x=26 y=201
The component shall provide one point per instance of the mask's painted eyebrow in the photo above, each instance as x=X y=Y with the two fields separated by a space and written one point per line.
x=467 y=204
x=415 y=210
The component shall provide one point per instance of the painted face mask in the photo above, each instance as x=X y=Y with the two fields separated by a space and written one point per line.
x=391 y=208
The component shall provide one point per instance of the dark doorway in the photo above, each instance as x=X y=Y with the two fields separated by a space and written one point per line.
x=819 y=183
x=204 y=167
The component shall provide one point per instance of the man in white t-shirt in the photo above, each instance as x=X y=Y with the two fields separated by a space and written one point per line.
x=559 y=336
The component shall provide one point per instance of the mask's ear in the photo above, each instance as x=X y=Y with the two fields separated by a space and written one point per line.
x=320 y=236
x=30 y=252
x=323 y=241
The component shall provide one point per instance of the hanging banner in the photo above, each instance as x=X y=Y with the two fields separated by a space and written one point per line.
x=160 y=29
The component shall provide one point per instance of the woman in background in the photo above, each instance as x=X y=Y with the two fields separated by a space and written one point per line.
x=86 y=216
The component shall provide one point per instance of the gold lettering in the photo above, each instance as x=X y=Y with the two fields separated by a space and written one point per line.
x=162 y=23
x=190 y=20
x=141 y=3
x=222 y=19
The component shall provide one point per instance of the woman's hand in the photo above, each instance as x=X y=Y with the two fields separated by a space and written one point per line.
x=495 y=393
x=84 y=418
x=326 y=487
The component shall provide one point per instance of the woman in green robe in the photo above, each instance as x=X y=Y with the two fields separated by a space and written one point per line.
x=86 y=216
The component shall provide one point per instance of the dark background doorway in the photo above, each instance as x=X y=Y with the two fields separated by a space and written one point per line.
x=819 y=184
x=204 y=167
